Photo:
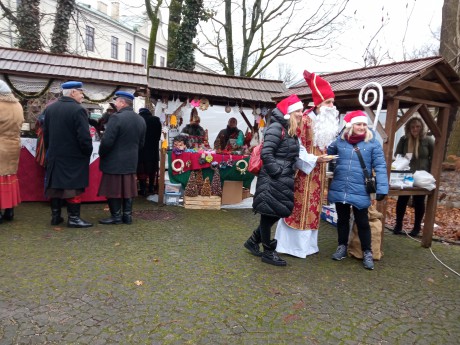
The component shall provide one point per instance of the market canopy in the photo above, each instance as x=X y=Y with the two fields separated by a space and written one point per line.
x=167 y=83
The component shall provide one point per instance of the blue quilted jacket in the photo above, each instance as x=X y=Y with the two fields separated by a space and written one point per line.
x=347 y=186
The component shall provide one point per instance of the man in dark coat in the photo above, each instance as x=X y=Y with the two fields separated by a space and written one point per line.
x=69 y=146
x=149 y=157
x=123 y=137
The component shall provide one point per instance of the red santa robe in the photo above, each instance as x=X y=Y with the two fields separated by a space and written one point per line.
x=297 y=234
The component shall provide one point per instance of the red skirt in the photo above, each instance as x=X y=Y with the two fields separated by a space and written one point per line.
x=10 y=195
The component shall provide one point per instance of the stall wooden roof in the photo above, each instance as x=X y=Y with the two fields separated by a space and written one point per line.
x=429 y=87
x=417 y=79
x=219 y=89
x=66 y=67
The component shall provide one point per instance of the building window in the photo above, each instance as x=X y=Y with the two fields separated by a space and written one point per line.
x=114 y=49
x=128 y=52
x=162 y=61
x=144 y=57
x=89 y=38
x=154 y=59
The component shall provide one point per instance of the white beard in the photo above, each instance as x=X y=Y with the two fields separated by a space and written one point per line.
x=326 y=127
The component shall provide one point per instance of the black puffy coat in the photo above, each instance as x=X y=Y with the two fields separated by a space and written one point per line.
x=68 y=144
x=274 y=194
x=123 y=136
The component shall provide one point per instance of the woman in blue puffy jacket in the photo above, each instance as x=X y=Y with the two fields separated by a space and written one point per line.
x=348 y=190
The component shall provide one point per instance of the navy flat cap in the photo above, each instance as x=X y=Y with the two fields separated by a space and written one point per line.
x=123 y=94
x=72 y=85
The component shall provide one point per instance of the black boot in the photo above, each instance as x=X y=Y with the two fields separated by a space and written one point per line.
x=270 y=255
x=252 y=244
x=419 y=211
x=143 y=187
x=1 y=217
x=56 y=218
x=128 y=211
x=74 y=220
x=115 y=212
x=8 y=214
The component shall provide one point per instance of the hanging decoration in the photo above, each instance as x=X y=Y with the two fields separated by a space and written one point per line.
x=195 y=103
x=228 y=109
x=27 y=95
x=242 y=166
x=178 y=165
x=173 y=121
x=204 y=104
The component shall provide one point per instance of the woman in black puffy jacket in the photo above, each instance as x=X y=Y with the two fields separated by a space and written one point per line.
x=274 y=196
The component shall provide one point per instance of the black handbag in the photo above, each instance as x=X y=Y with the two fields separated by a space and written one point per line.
x=369 y=180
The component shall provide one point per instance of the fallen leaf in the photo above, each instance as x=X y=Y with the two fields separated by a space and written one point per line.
x=117 y=244
x=139 y=282
x=57 y=229
x=430 y=280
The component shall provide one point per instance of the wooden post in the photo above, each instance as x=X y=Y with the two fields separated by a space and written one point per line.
x=436 y=166
x=161 y=186
x=390 y=123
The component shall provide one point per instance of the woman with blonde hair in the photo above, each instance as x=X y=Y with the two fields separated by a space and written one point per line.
x=274 y=196
x=419 y=148
x=348 y=189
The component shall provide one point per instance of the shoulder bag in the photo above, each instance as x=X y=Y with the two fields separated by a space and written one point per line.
x=369 y=180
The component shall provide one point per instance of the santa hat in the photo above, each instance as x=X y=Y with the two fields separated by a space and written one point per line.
x=290 y=104
x=353 y=117
x=320 y=89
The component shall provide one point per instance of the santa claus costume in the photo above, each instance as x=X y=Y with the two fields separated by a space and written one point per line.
x=297 y=235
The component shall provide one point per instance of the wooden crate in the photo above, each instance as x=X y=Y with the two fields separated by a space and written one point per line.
x=202 y=202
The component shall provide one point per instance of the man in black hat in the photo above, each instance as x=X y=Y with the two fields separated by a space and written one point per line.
x=69 y=146
x=124 y=135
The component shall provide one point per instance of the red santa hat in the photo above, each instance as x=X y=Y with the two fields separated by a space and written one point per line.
x=289 y=104
x=353 y=117
x=320 y=89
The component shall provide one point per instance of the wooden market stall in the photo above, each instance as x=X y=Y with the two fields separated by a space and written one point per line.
x=35 y=78
x=166 y=84
x=429 y=87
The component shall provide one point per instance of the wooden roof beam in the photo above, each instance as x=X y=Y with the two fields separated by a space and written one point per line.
x=428 y=85
x=448 y=86
x=422 y=101
x=402 y=120
x=429 y=120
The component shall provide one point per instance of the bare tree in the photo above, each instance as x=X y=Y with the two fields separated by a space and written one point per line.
x=27 y=22
x=269 y=30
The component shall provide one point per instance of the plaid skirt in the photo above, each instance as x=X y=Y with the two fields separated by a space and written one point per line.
x=118 y=186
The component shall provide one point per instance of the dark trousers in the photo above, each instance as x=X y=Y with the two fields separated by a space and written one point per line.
x=266 y=223
x=361 y=220
x=419 y=209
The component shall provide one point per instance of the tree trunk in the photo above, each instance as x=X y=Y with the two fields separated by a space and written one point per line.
x=229 y=38
x=60 y=35
x=175 y=13
x=450 y=50
x=28 y=24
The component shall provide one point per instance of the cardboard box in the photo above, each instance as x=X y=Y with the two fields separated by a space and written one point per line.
x=246 y=193
x=329 y=214
x=232 y=192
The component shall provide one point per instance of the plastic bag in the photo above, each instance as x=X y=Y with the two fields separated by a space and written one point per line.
x=400 y=163
x=424 y=179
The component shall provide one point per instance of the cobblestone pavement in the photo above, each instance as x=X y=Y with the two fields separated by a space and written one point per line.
x=196 y=284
